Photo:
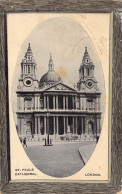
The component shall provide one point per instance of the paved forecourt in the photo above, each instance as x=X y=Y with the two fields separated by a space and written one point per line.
x=59 y=160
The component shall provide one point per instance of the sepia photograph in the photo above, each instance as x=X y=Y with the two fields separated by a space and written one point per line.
x=58 y=95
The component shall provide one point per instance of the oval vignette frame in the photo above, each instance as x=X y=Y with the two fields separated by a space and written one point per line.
x=46 y=32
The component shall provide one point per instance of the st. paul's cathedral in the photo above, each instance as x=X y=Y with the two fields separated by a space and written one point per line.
x=49 y=106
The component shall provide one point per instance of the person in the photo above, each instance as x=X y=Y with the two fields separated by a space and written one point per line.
x=24 y=142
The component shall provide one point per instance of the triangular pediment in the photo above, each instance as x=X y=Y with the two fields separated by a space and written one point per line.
x=60 y=87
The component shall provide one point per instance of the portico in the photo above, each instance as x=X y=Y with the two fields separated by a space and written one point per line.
x=58 y=124
x=64 y=101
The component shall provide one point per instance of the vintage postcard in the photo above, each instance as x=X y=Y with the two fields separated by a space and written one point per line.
x=58 y=72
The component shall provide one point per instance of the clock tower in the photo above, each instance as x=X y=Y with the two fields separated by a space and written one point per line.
x=89 y=96
x=87 y=81
x=28 y=80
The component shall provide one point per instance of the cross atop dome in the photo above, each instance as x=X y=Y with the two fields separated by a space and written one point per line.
x=51 y=64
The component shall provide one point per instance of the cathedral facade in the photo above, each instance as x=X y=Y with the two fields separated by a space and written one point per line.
x=48 y=106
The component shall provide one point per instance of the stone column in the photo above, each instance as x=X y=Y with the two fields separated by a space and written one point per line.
x=85 y=125
x=57 y=124
x=94 y=104
x=72 y=102
x=98 y=125
x=27 y=69
x=76 y=125
x=56 y=102
x=99 y=104
x=21 y=103
x=64 y=126
x=63 y=102
x=18 y=102
x=38 y=131
x=53 y=102
x=66 y=102
x=47 y=102
x=22 y=127
x=19 y=126
x=44 y=102
x=23 y=106
x=84 y=103
x=85 y=73
x=75 y=102
x=87 y=105
x=45 y=125
x=54 y=124
x=21 y=70
x=73 y=124
x=38 y=102
x=80 y=103
x=32 y=69
x=35 y=103
x=81 y=125
x=35 y=125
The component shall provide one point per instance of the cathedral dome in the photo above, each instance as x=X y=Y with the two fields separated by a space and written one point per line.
x=51 y=77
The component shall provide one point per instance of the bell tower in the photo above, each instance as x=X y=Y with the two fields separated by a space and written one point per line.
x=28 y=78
x=87 y=81
x=28 y=65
